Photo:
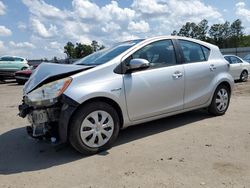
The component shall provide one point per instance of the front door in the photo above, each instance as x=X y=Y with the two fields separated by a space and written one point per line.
x=158 y=89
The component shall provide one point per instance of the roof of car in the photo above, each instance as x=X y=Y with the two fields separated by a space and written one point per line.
x=209 y=45
x=12 y=56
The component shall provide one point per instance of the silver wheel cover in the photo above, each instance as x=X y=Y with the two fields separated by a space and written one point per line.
x=97 y=129
x=221 y=100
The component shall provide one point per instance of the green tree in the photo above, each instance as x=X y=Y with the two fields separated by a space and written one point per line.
x=82 y=50
x=193 y=30
x=236 y=30
x=69 y=49
x=95 y=46
x=201 y=30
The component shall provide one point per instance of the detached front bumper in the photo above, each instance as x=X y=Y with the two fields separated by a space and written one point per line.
x=49 y=121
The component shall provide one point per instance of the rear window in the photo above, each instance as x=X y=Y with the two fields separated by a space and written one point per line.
x=194 y=52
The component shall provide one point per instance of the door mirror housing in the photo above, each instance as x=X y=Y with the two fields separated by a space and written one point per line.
x=136 y=64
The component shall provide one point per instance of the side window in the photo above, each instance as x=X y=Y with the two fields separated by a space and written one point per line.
x=193 y=52
x=228 y=59
x=18 y=59
x=206 y=52
x=7 y=59
x=235 y=60
x=160 y=53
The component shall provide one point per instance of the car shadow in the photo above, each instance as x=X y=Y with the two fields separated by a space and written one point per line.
x=19 y=153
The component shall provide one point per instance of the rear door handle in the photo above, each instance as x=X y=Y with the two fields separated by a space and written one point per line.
x=212 y=67
x=177 y=75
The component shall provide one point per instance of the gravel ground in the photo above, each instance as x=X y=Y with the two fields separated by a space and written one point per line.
x=187 y=150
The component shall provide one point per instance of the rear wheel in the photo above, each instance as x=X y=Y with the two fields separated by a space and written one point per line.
x=220 y=101
x=94 y=128
x=244 y=76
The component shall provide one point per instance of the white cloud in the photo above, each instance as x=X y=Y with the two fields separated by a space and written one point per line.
x=139 y=27
x=242 y=11
x=21 y=26
x=2 y=47
x=55 y=45
x=110 y=27
x=41 y=30
x=85 y=9
x=89 y=10
x=2 y=8
x=42 y=9
x=21 y=45
x=244 y=14
x=150 y=6
x=4 y=31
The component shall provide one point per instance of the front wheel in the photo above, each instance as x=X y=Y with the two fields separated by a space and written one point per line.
x=94 y=128
x=220 y=101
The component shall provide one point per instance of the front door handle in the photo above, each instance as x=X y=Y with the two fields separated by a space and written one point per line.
x=177 y=75
x=212 y=67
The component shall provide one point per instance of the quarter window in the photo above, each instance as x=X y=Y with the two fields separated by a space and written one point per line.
x=193 y=52
x=160 y=53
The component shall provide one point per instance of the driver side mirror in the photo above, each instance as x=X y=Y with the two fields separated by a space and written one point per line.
x=136 y=64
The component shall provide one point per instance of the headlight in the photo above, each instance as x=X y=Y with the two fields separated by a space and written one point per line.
x=49 y=91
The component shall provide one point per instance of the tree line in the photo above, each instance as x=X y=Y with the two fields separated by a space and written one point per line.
x=79 y=50
x=224 y=35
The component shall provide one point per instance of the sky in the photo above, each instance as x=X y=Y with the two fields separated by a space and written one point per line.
x=37 y=29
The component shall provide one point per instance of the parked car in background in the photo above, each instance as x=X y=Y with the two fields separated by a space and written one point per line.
x=137 y=81
x=239 y=69
x=247 y=58
x=10 y=64
x=23 y=75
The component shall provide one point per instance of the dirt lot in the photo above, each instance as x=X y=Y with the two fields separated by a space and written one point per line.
x=188 y=150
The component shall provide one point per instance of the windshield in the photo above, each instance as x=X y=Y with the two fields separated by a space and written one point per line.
x=106 y=55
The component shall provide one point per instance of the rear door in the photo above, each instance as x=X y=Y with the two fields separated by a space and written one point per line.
x=158 y=89
x=199 y=73
x=235 y=67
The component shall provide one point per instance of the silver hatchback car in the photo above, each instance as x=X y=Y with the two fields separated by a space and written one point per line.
x=136 y=81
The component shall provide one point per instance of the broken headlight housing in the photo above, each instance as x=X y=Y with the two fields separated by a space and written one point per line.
x=48 y=92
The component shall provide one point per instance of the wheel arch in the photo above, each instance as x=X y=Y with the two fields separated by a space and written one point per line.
x=107 y=100
x=245 y=70
x=227 y=84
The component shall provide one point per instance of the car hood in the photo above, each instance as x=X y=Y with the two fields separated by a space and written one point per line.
x=47 y=72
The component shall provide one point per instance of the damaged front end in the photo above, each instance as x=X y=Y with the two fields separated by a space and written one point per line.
x=44 y=121
x=48 y=121
x=48 y=110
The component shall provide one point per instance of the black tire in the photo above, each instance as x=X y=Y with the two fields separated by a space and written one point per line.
x=213 y=107
x=244 y=76
x=20 y=82
x=77 y=119
x=2 y=80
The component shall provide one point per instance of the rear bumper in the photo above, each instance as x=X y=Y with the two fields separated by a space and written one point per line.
x=24 y=78
x=57 y=119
